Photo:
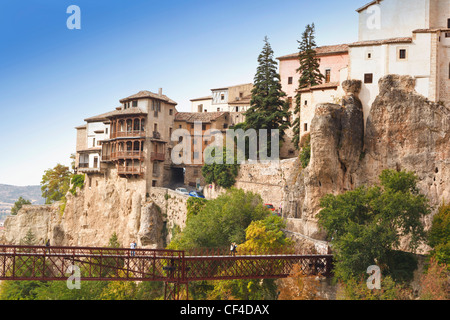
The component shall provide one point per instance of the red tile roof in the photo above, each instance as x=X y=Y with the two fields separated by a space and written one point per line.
x=321 y=51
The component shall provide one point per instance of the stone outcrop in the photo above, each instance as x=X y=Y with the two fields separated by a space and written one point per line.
x=404 y=131
x=110 y=205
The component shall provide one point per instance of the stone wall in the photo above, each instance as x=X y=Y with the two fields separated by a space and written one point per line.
x=111 y=205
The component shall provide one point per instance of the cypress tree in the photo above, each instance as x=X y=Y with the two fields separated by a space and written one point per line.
x=267 y=108
x=310 y=74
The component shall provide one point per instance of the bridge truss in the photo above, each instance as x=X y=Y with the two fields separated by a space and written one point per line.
x=175 y=268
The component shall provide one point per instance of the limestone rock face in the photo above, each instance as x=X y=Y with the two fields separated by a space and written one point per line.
x=404 y=131
x=407 y=132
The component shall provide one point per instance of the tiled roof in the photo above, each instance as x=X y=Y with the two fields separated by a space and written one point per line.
x=380 y=42
x=203 y=98
x=321 y=51
x=147 y=94
x=198 y=116
x=431 y=30
x=368 y=5
x=100 y=117
x=238 y=85
x=128 y=111
x=323 y=86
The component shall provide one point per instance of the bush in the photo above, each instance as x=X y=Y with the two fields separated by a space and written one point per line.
x=305 y=153
x=77 y=181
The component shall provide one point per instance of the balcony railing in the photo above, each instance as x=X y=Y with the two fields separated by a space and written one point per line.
x=139 y=170
x=83 y=165
x=130 y=154
x=132 y=133
x=157 y=156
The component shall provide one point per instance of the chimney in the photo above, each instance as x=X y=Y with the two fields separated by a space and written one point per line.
x=160 y=92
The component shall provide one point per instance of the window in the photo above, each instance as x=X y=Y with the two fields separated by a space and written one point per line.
x=170 y=112
x=402 y=54
x=200 y=108
x=306 y=102
x=93 y=143
x=327 y=75
x=290 y=80
x=134 y=103
x=448 y=23
x=368 y=78
x=369 y=55
x=241 y=94
x=196 y=155
x=222 y=97
x=305 y=127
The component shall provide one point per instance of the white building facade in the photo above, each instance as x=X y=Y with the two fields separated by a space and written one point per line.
x=404 y=37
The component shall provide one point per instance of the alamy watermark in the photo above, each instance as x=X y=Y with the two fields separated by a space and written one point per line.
x=74 y=20
x=74 y=280
x=374 y=281
x=232 y=147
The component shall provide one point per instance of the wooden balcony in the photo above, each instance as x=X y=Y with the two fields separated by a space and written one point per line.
x=125 y=134
x=130 y=154
x=130 y=170
x=157 y=156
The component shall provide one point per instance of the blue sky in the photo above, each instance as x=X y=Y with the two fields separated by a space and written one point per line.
x=52 y=78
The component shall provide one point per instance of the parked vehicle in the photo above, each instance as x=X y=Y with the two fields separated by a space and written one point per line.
x=182 y=191
x=196 y=194
x=270 y=206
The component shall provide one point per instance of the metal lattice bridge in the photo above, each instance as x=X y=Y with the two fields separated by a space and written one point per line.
x=173 y=267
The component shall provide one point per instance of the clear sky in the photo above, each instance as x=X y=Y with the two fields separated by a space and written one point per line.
x=52 y=78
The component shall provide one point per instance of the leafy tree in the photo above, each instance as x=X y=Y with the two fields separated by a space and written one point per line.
x=305 y=153
x=18 y=205
x=77 y=181
x=299 y=286
x=194 y=205
x=113 y=241
x=267 y=108
x=434 y=283
x=310 y=74
x=365 y=225
x=356 y=289
x=439 y=236
x=222 y=174
x=261 y=236
x=221 y=221
x=267 y=234
x=29 y=239
x=55 y=183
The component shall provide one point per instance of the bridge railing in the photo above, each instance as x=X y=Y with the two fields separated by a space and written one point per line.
x=240 y=251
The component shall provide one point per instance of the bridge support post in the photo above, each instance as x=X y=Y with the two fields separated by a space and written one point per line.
x=176 y=290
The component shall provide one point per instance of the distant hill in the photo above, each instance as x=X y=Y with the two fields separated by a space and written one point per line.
x=10 y=194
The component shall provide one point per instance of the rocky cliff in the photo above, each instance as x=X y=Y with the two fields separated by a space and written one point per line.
x=110 y=205
x=404 y=131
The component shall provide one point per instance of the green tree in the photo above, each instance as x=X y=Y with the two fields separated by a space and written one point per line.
x=264 y=235
x=439 y=236
x=310 y=74
x=221 y=221
x=365 y=226
x=267 y=109
x=18 y=205
x=220 y=172
x=55 y=183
